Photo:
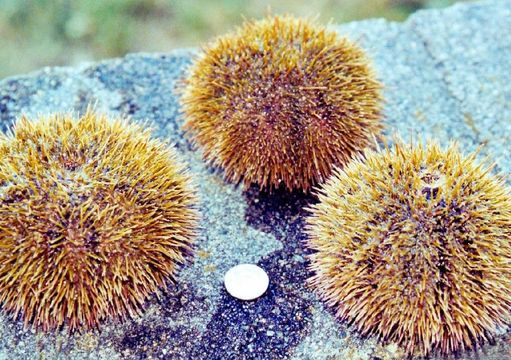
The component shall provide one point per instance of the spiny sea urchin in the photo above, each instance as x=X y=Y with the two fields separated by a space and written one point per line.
x=281 y=100
x=94 y=217
x=413 y=245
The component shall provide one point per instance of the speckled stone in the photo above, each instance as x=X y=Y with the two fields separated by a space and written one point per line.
x=446 y=75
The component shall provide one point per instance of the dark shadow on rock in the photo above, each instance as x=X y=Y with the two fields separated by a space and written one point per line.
x=273 y=325
x=276 y=211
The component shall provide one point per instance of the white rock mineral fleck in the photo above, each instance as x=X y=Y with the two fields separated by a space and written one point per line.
x=246 y=281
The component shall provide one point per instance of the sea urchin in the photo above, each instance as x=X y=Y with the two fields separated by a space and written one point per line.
x=413 y=245
x=94 y=216
x=281 y=100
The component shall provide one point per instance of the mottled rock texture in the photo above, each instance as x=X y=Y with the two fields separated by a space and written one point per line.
x=447 y=74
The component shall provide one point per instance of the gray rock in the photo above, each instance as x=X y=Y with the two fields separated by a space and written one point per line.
x=446 y=74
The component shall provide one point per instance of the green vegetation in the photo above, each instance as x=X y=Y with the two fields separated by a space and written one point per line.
x=37 y=33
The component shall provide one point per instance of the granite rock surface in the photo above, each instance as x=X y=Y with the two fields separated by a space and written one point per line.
x=447 y=75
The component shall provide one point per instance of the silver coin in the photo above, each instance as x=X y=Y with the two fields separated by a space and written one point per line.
x=246 y=281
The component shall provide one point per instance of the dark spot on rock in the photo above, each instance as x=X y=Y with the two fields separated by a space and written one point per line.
x=145 y=341
x=127 y=107
x=181 y=299
x=4 y=103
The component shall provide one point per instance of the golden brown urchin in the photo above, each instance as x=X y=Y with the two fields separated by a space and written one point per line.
x=413 y=245
x=94 y=217
x=281 y=100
